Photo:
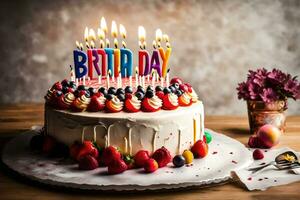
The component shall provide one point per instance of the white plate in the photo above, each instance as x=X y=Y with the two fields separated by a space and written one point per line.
x=225 y=154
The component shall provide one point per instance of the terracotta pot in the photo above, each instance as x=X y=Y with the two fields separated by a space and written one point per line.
x=261 y=113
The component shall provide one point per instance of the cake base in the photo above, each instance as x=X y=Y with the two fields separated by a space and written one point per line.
x=225 y=155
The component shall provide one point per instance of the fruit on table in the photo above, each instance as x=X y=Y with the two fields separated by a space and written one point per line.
x=117 y=166
x=87 y=162
x=200 y=149
x=150 y=165
x=162 y=156
x=141 y=157
x=269 y=135
x=188 y=156
x=87 y=148
x=178 y=161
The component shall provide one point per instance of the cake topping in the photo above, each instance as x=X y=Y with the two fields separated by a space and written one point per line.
x=185 y=99
x=132 y=103
x=97 y=103
x=80 y=104
x=170 y=101
x=114 y=104
x=193 y=96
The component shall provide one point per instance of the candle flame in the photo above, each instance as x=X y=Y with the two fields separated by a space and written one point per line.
x=86 y=34
x=166 y=38
x=116 y=43
x=109 y=73
x=103 y=25
x=154 y=44
x=92 y=44
x=142 y=34
x=123 y=44
x=114 y=29
x=122 y=31
x=92 y=35
x=107 y=43
x=77 y=44
x=87 y=45
x=158 y=35
x=101 y=34
x=101 y=44
x=81 y=46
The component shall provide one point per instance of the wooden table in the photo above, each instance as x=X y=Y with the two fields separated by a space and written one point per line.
x=14 y=119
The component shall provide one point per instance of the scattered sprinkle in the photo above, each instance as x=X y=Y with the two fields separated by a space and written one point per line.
x=275 y=181
x=231 y=153
x=262 y=163
x=233 y=161
x=215 y=152
x=266 y=151
x=266 y=178
x=249 y=179
x=260 y=179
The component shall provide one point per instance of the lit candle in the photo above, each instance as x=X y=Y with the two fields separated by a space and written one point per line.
x=153 y=78
x=109 y=52
x=126 y=56
x=114 y=34
x=136 y=77
x=155 y=63
x=168 y=77
x=165 y=55
x=101 y=51
x=108 y=79
x=144 y=67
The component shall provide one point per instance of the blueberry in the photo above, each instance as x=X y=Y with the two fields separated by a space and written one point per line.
x=178 y=93
x=102 y=89
x=149 y=94
x=167 y=90
x=178 y=161
x=141 y=89
x=172 y=88
x=109 y=96
x=128 y=89
x=65 y=89
x=111 y=90
x=120 y=91
x=176 y=85
x=58 y=93
x=81 y=87
x=139 y=95
x=121 y=97
x=92 y=91
x=159 y=88
x=72 y=84
x=149 y=88
x=64 y=82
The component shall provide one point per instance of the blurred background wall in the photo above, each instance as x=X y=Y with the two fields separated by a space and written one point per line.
x=214 y=42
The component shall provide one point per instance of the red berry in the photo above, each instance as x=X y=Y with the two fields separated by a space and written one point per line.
x=87 y=148
x=109 y=154
x=140 y=158
x=150 y=165
x=48 y=145
x=57 y=86
x=88 y=162
x=176 y=80
x=71 y=90
x=184 y=87
x=82 y=92
x=95 y=104
x=189 y=87
x=200 y=149
x=160 y=94
x=255 y=142
x=117 y=166
x=128 y=96
x=258 y=154
x=162 y=156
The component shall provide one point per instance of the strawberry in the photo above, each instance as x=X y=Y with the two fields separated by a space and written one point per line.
x=184 y=100
x=117 y=166
x=200 y=149
x=61 y=104
x=150 y=165
x=140 y=158
x=146 y=106
x=87 y=162
x=130 y=162
x=184 y=87
x=160 y=94
x=189 y=87
x=57 y=86
x=95 y=104
x=74 y=150
x=162 y=156
x=176 y=80
x=87 y=148
x=258 y=154
x=167 y=103
x=129 y=106
x=109 y=154
x=48 y=145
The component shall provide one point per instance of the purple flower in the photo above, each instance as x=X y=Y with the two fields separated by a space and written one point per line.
x=290 y=86
x=277 y=77
x=254 y=90
x=243 y=92
x=268 y=95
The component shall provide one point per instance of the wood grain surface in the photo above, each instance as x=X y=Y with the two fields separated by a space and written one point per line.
x=15 y=119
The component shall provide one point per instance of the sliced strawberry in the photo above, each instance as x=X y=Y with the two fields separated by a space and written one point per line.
x=146 y=106
x=95 y=104
x=185 y=100
x=129 y=107
x=160 y=94
x=61 y=104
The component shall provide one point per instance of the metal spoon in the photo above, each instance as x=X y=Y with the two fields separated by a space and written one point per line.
x=282 y=159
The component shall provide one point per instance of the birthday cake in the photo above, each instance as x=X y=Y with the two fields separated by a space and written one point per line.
x=119 y=117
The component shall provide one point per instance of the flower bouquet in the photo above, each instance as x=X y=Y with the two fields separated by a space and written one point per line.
x=266 y=93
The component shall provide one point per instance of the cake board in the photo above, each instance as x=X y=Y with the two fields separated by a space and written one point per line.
x=225 y=155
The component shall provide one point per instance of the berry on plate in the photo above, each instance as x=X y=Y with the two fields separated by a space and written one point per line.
x=88 y=162
x=117 y=166
x=178 y=161
x=162 y=156
x=109 y=154
x=87 y=148
x=150 y=165
x=200 y=149
x=258 y=154
x=140 y=157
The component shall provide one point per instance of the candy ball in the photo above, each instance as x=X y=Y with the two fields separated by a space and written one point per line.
x=188 y=155
x=178 y=161
x=208 y=137
x=269 y=135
